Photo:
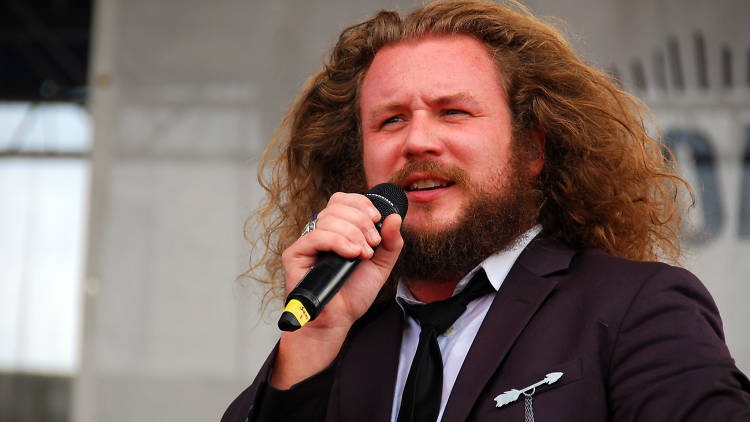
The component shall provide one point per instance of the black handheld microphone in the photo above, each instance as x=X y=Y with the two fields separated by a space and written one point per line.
x=329 y=273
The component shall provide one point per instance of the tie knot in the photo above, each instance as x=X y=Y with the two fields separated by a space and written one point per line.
x=441 y=315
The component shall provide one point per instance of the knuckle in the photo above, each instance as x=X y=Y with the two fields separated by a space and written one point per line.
x=365 y=220
x=285 y=255
x=347 y=246
x=354 y=230
x=337 y=197
x=364 y=200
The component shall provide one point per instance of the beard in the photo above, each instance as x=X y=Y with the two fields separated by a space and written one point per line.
x=492 y=222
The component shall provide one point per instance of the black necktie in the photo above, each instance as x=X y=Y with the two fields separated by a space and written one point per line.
x=420 y=401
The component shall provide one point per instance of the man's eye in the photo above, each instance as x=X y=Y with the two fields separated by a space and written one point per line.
x=454 y=111
x=394 y=119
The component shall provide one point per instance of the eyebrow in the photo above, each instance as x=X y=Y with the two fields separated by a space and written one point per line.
x=461 y=97
x=385 y=108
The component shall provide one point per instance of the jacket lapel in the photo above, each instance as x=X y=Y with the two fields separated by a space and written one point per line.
x=521 y=294
x=366 y=385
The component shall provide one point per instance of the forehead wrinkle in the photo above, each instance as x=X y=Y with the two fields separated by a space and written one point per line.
x=442 y=100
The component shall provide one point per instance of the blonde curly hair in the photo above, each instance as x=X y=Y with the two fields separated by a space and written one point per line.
x=606 y=182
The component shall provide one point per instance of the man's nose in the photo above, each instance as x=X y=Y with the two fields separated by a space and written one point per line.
x=422 y=137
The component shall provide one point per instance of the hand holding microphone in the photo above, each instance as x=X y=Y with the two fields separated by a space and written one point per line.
x=327 y=276
x=346 y=227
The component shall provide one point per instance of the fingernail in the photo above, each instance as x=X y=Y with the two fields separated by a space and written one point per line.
x=373 y=235
x=368 y=250
x=374 y=214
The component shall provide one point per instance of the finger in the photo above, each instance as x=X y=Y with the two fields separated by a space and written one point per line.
x=349 y=221
x=356 y=201
x=351 y=232
x=324 y=240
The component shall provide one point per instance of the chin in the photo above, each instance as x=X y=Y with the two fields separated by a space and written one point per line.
x=431 y=224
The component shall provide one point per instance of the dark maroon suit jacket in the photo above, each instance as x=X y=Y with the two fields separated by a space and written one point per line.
x=636 y=342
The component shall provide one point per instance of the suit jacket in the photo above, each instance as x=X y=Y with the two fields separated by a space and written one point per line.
x=636 y=342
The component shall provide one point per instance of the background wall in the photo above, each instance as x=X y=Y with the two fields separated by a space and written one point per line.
x=185 y=95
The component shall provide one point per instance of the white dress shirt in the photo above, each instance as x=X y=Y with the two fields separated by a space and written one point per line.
x=456 y=341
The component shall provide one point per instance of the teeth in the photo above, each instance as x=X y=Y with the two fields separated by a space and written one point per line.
x=427 y=184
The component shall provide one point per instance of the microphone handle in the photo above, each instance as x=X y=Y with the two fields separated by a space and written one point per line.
x=323 y=281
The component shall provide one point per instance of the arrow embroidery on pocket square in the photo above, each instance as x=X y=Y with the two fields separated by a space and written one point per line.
x=512 y=395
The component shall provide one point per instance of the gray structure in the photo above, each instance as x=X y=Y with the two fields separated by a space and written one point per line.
x=187 y=93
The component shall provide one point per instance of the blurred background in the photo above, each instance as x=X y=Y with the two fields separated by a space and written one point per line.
x=130 y=132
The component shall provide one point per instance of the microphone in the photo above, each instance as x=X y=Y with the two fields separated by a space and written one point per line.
x=330 y=271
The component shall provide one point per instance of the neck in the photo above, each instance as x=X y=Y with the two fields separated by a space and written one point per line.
x=428 y=291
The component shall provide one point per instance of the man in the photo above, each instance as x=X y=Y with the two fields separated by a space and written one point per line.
x=526 y=170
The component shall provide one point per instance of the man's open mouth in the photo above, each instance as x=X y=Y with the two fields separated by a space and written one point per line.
x=427 y=184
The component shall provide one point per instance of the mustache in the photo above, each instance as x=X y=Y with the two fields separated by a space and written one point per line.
x=432 y=167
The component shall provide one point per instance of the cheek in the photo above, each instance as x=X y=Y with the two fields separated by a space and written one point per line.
x=371 y=161
x=490 y=171
x=381 y=159
x=370 y=178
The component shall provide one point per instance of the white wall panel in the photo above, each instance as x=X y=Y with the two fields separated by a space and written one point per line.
x=187 y=93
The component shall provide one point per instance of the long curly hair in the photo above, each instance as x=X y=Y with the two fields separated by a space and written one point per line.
x=606 y=183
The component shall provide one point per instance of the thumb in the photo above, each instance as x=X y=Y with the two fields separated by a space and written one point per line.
x=390 y=247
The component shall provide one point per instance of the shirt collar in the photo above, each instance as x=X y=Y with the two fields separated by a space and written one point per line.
x=496 y=266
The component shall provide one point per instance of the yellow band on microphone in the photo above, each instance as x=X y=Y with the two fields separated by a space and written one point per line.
x=296 y=308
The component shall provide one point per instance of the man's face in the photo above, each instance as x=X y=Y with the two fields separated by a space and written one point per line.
x=435 y=119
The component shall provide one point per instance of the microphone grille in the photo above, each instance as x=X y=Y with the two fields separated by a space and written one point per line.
x=388 y=199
